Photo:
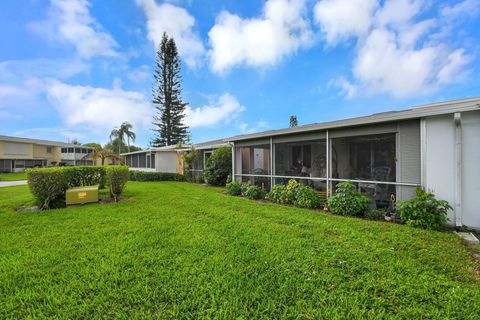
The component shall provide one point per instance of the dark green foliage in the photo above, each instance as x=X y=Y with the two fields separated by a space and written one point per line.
x=293 y=121
x=276 y=193
x=81 y=176
x=116 y=178
x=296 y=194
x=255 y=192
x=424 y=211
x=167 y=96
x=375 y=214
x=347 y=201
x=218 y=166
x=154 y=176
x=181 y=251
x=307 y=197
x=234 y=188
x=48 y=186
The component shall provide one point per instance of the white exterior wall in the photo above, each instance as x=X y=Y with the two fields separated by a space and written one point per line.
x=166 y=161
x=471 y=168
x=440 y=162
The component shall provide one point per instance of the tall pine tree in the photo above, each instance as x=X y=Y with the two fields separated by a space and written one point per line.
x=169 y=121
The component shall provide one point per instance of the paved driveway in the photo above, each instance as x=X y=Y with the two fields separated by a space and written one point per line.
x=12 y=183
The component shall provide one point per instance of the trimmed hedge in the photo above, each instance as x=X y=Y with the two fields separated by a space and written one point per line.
x=154 y=176
x=116 y=178
x=81 y=176
x=48 y=185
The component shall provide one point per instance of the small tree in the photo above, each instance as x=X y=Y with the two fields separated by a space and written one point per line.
x=219 y=166
x=293 y=121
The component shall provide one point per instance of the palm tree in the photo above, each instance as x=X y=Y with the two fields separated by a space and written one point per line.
x=126 y=129
x=116 y=134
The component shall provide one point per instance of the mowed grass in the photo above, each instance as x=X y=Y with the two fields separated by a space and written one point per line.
x=13 y=176
x=177 y=250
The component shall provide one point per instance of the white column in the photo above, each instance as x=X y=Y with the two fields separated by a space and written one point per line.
x=458 y=170
x=328 y=164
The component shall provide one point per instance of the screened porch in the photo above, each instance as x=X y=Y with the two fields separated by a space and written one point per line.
x=374 y=159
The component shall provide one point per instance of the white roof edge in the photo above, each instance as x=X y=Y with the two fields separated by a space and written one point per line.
x=415 y=112
x=40 y=142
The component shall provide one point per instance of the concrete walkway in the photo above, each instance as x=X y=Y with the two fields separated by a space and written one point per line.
x=12 y=183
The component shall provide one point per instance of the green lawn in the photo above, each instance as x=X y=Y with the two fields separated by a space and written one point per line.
x=178 y=250
x=13 y=176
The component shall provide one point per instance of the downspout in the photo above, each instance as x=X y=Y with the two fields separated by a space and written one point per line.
x=233 y=161
x=458 y=170
x=271 y=163
x=328 y=163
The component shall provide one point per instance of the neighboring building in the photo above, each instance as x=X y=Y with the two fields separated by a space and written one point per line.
x=170 y=158
x=386 y=155
x=163 y=159
x=18 y=154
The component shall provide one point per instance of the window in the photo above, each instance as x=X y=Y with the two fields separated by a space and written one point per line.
x=70 y=150
x=142 y=160
x=152 y=162
x=64 y=150
x=301 y=159
x=49 y=149
x=370 y=158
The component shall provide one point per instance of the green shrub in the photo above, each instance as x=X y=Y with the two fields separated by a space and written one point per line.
x=375 y=214
x=48 y=186
x=244 y=187
x=154 y=176
x=218 y=166
x=307 y=197
x=116 y=179
x=81 y=176
x=255 y=192
x=288 y=197
x=347 y=201
x=295 y=193
x=424 y=211
x=234 y=188
x=277 y=192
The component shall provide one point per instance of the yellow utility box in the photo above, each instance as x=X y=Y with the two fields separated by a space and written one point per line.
x=82 y=195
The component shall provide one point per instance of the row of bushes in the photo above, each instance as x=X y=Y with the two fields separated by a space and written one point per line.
x=48 y=185
x=424 y=211
x=294 y=193
x=154 y=176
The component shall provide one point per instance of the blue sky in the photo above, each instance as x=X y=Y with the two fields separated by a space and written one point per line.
x=74 y=69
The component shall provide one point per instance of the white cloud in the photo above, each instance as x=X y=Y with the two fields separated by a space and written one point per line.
x=12 y=70
x=347 y=89
x=98 y=108
x=280 y=31
x=395 y=53
x=139 y=74
x=462 y=9
x=69 y=21
x=257 y=126
x=221 y=109
x=177 y=23
x=398 y=12
x=342 y=19
x=453 y=69
x=55 y=134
